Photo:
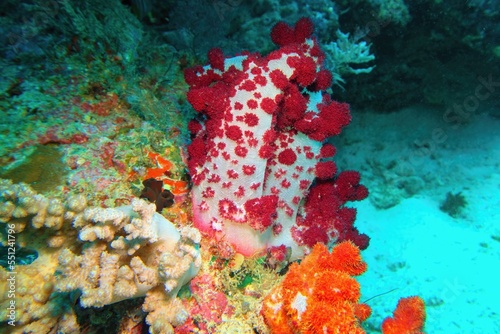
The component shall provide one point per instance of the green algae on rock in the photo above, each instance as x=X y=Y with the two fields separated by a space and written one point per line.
x=43 y=170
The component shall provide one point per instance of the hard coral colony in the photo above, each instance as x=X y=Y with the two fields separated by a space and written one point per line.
x=262 y=174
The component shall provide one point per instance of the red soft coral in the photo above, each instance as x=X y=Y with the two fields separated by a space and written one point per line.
x=262 y=125
x=319 y=295
x=408 y=318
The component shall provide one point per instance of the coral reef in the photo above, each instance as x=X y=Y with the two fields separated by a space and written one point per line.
x=345 y=54
x=42 y=179
x=260 y=170
x=163 y=173
x=243 y=25
x=72 y=76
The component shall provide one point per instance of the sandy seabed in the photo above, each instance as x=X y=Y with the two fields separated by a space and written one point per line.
x=453 y=263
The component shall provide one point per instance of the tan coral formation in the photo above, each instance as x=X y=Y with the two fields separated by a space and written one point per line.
x=135 y=252
x=20 y=204
x=132 y=250
x=38 y=223
x=121 y=253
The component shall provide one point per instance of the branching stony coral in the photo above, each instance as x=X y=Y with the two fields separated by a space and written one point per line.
x=345 y=51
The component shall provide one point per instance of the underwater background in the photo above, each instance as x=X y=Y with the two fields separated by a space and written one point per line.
x=93 y=102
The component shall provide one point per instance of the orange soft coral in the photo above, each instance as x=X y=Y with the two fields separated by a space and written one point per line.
x=408 y=317
x=319 y=295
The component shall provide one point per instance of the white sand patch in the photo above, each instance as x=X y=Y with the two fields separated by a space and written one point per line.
x=452 y=263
